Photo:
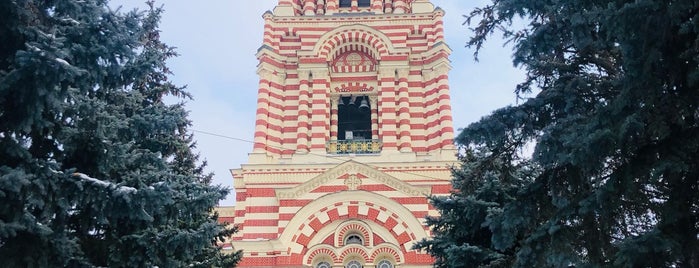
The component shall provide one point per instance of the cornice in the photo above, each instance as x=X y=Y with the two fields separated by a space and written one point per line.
x=344 y=17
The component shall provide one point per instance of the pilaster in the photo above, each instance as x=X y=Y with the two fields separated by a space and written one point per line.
x=331 y=7
x=403 y=110
x=400 y=7
x=445 y=118
x=333 y=117
x=302 y=137
x=388 y=6
x=320 y=7
x=262 y=118
x=309 y=7
x=275 y=120
x=377 y=6
x=320 y=109
x=373 y=100
x=387 y=108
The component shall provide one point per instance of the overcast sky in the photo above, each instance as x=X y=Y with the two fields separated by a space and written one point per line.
x=217 y=41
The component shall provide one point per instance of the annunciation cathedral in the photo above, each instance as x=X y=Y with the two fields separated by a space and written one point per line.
x=353 y=131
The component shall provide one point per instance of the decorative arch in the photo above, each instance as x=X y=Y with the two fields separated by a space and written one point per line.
x=321 y=251
x=354 y=251
x=398 y=223
x=357 y=37
x=356 y=227
x=385 y=250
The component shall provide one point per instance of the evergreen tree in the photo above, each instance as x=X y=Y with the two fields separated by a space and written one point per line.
x=96 y=169
x=610 y=106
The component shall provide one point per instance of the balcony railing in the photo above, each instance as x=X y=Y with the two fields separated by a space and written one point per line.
x=354 y=146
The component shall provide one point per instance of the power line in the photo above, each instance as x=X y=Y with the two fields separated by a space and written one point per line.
x=222 y=136
x=339 y=158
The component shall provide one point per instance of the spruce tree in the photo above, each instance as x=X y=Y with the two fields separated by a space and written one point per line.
x=96 y=169
x=610 y=106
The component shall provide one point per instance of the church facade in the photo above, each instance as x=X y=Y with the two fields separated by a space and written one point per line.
x=353 y=132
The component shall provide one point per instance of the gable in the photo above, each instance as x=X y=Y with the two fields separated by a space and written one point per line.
x=353 y=175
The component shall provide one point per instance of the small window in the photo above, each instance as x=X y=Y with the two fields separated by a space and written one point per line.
x=353 y=264
x=384 y=264
x=353 y=239
x=323 y=265
x=345 y=3
x=364 y=3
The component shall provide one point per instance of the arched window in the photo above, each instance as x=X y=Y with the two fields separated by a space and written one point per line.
x=364 y=3
x=353 y=239
x=384 y=264
x=323 y=265
x=353 y=264
x=345 y=3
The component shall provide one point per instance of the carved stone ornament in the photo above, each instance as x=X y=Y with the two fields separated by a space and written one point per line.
x=353 y=182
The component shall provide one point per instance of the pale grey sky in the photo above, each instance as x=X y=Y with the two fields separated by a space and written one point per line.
x=217 y=41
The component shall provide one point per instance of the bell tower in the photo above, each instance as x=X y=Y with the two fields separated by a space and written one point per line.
x=353 y=130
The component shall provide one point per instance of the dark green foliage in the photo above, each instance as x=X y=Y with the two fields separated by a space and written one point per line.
x=95 y=168
x=610 y=115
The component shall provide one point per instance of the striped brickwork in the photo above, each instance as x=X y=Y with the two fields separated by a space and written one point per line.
x=399 y=60
x=297 y=202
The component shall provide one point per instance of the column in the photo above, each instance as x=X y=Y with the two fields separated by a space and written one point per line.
x=388 y=6
x=377 y=6
x=431 y=111
x=261 y=118
x=275 y=116
x=374 y=117
x=375 y=134
x=354 y=6
x=399 y=7
x=333 y=124
x=405 y=144
x=303 y=113
x=320 y=110
x=320 y=7
x=309 y=7
x=333 y=117
x=387 y=108
x=331 y=7
x=445 y=119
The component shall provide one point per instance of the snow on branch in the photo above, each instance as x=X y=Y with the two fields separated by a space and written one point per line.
x=105 y=184
x=70 y=20
x=62 y=61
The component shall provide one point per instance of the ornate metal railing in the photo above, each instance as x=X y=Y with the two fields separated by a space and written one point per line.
x=353 y=146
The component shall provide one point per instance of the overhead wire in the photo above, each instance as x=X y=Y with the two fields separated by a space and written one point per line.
x=339 y=157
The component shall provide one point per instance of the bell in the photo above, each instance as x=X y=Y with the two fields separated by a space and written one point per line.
x=352 y=99
x=364 y=106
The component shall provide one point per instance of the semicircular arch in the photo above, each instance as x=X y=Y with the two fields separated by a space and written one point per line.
x=386 y=249
x=321 y=251
x=310 y=219
x=356 y=227
x=354 y=250
x=370 y=40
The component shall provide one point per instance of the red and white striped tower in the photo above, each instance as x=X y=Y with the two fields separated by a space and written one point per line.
x=353 y=131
